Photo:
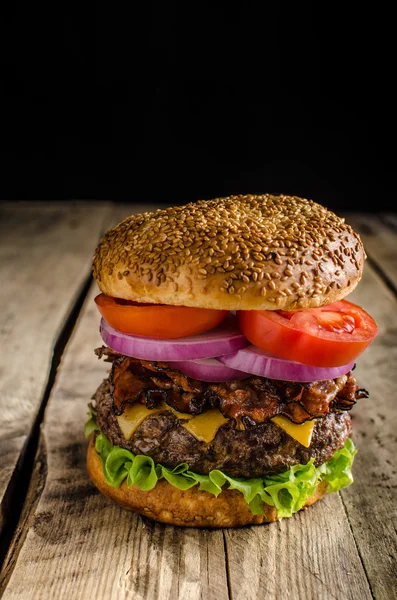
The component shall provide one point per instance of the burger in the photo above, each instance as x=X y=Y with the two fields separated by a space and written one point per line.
x=231 y=352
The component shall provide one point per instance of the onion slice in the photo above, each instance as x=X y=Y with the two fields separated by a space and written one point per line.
x=224 y=339
x=207 y=369
x=252 y=360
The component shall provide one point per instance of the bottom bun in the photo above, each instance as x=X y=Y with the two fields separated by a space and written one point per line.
x=186 y=508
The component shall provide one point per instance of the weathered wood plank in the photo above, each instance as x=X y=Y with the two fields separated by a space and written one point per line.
x=322 y=545
x=45 y=255
x=390 y=219
x=80 y=541
x=379 y=235
x=312 y=555
x=371 y=504
x=35 y=488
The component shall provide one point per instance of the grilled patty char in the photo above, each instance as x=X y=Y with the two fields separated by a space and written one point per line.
x=259 y=450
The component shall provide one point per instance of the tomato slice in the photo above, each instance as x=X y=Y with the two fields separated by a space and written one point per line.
x=157 y=320
x=330 y=336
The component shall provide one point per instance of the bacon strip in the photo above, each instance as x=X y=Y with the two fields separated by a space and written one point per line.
x=248 y=402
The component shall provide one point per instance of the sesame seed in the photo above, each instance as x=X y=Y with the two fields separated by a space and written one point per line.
x=252 y=238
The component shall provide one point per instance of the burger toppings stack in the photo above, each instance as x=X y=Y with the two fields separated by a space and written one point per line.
x=232 y=353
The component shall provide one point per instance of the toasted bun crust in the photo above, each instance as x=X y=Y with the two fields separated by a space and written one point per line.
x=189 y=508
x=235 y=253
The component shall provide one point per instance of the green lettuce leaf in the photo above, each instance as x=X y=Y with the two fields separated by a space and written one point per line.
x=338 y=471
x=91 y=424
x=287 y=491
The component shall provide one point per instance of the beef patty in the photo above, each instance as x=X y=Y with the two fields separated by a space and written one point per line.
x=263 y=449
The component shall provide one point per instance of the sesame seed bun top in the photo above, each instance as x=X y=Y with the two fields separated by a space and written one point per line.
x=237 y=253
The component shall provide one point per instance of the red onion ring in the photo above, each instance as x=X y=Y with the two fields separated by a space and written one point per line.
x=207 y=369
x=224 y=339
x=252 y=360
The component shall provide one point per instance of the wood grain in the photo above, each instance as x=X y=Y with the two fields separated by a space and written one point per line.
x=35 y=488
x=371 y=504
x=80 y=545
x=344 y=550
x=379 y=235
x=312 y=555
x=45 y=254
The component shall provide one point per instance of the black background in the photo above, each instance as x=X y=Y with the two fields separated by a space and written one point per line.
x=182 y=101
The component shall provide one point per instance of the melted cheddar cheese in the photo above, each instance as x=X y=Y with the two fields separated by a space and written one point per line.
x=302 y=433
x=204 y=427
x=135 y=414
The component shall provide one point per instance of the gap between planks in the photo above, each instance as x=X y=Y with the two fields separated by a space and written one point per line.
x=28 y=478
x=375 y=505
x=35 y=241
x=357 y=546
x=30 y=499
x=18 y=495
x=276 y=540
x=79 y=542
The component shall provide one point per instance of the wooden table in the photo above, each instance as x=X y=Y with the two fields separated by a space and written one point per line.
x=62 y=539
